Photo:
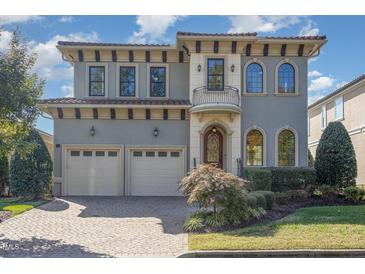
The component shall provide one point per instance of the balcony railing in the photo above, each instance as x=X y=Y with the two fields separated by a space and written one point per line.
x=228 y=96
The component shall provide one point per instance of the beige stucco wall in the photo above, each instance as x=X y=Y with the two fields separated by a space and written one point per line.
x=353 y=120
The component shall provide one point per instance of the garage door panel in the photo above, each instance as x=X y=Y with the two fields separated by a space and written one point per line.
x=158 y=175
x=93 y=172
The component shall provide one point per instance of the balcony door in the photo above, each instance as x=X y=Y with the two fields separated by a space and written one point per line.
x=213 y=147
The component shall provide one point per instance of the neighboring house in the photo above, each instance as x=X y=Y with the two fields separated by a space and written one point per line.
x=142 y=116
x=48 y=140
x=346 y=104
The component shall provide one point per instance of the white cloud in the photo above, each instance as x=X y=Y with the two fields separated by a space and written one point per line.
x=321 y=83
x=260 y=23
x=152 y=28
x=310 y=29
x=5 y=38
x=10 y=19
x=67 y=90
x=66 y=19
x=49 y=63
x=314 y=73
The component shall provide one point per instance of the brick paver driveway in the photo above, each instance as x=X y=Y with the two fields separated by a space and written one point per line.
x=98 y=227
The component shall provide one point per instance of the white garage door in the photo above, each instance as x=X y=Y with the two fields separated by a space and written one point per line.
x=156 y=172
x=93 y=172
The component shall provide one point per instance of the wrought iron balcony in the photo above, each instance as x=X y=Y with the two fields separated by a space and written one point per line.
x=226 y=99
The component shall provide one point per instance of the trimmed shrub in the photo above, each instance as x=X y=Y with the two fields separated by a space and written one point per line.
x=353 y=193
x=326 y=192
x=31 y=175
x=4 y=176
x=258 y=179
x=269 y=197
x=261 y=201
x=291 y=196
x=251 y=200
x=291 y=178
x=335 y=157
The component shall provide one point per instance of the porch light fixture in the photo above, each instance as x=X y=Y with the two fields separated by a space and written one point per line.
x=232 y=68
x=155 y=132
x=214 y=129
x=92 y=131
x=199 y=67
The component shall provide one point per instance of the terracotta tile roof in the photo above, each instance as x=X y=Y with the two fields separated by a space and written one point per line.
x=89 y=101
x=97 y=44
x=254 y=34
x=183 y=33
x=337 y=91
x=318 y=37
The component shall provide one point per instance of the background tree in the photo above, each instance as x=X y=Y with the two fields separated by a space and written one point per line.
x=335 y=157
x=20 y=89
x=31 y=175
x=4 y=175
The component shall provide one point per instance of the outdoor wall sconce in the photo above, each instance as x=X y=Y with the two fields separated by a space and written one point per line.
x=214 y=129
x=155 y=132
x=92 y=131
x=199 y=67
x=232 y=68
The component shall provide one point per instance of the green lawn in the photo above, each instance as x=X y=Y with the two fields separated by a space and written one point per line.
x=16 y=206
x=308 y=228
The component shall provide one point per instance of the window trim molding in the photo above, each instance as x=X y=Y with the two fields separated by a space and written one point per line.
x=97 y=64
x=264 y=152
x=207 y=71
x=264 y=78
x=167 y=95
x=296 y=76
x=343 y=108
x=136 y=83
x=324 y=107
x=296 y=136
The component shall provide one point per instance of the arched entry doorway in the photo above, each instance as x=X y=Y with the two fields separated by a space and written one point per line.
x=213 y=147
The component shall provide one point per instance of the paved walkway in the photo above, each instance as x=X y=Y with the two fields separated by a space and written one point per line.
x=98 y=227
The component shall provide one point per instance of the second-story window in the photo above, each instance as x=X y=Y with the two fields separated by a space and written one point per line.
x=127 y=81
x=158 y=81
x=96 y=81
x=215 y=76
x=254 y=78
x=339 y=108
x=286 y=78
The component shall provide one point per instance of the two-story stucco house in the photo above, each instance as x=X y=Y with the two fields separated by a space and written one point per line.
x=143 y=115
x=346 y=104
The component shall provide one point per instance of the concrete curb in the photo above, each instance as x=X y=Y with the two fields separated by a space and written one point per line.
x=299 y=253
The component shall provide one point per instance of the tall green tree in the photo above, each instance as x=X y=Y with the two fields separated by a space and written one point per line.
x=31 y=176
x=335 y=157
x=4 y=175
x=310 y=159
x=20 y=89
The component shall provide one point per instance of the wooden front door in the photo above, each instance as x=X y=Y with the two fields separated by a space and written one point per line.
x=213 y=147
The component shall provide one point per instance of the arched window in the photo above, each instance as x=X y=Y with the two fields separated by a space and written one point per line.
x=254 y=78
x=286 y=78
x=254 y=148
x=286 y=148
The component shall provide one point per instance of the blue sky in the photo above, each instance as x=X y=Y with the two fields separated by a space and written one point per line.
x=341 y=59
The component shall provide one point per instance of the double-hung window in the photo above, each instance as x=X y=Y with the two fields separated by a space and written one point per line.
x=339 y=108
x=215 y=77
x=324 y=117
x=96 y=81
x=127 y=78
x=158 y=81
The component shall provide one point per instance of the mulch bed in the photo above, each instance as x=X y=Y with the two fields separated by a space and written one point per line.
x=282 y=210
x=4 y=215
